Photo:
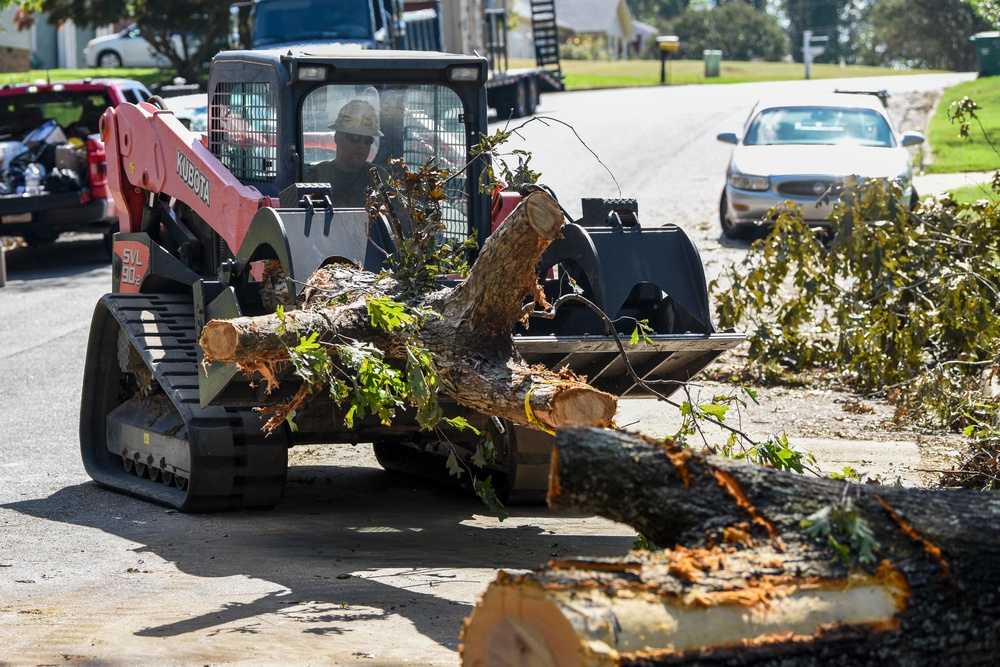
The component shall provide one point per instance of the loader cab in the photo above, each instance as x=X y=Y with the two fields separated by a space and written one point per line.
x=273 y=119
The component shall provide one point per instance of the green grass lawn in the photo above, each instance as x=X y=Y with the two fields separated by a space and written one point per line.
x=585 y=74
x=952 y=153
x=147 y=75
x=580 y=74
x=974 y=193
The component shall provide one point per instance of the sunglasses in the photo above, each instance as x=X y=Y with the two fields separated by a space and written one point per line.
x=358 y=138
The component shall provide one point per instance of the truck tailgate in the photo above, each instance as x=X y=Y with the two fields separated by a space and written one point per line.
x=19 y=204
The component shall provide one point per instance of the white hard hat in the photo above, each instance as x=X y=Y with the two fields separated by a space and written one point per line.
x=358 y=117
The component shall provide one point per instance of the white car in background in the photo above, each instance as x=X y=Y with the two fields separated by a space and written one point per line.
x=795 y=148
x=192 y=110
x=125 y=49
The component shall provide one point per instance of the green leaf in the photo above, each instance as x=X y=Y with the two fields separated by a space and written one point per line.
x=484 y=489
x=461 y=423
x=454 y=468
x=715 y=410
x=384 y=313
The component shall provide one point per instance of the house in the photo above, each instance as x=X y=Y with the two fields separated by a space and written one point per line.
x=15 y=47
x=43 y=46
x=606 y=24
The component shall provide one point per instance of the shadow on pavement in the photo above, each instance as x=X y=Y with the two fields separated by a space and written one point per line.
x=67 y=256
x=348 y=544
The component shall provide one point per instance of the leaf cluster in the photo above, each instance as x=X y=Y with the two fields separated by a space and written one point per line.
x=843 y=528
x=497 y=173
x=775 y=451
x=356 y=374
x=895 y=300
x=426 y=251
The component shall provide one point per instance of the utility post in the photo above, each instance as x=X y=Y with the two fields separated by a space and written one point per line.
x=811 y=47
x=667 y=44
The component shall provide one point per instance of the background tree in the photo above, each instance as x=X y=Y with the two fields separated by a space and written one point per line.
x=202 y=24
x=823 y=17
x=988 y=10
x=923 y=34
x=737 y=28
x=657 y=12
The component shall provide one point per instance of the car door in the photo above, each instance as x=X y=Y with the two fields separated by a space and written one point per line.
x=138 y=52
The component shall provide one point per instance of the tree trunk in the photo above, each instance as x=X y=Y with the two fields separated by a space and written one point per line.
x=744 y=583
x=470 y=342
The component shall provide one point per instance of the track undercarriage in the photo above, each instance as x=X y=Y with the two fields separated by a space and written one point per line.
x=147 y=435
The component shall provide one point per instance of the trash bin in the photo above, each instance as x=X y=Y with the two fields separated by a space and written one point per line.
x=987 y=52
x=713 y=62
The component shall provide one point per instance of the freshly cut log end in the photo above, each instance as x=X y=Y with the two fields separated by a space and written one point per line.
x=544 y=215
x=517 y=625
x=611 y=613
x=222 y=338
x=557 y=404
x=585 y=406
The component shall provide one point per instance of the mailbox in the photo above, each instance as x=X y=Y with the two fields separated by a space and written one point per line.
x=668 y=43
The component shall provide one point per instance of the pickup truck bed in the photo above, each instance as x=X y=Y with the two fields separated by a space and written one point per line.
x=56 y=125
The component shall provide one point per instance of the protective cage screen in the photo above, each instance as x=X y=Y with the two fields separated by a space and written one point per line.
x=243 y=130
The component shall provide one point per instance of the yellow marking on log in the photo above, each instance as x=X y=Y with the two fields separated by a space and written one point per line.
x=530 y=414
x=732 y=487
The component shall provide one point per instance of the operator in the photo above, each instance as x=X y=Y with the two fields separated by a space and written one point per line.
x=349 y=173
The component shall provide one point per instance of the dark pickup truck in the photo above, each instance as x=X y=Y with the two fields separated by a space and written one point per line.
x=51 y=129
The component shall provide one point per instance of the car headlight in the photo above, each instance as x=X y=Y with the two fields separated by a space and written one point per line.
x=748 y=182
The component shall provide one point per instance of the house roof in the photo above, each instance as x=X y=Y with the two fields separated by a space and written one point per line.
x=586 y=16
x=594 y=16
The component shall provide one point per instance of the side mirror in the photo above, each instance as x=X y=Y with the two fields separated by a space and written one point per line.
x=731 y=138
x=911 y=138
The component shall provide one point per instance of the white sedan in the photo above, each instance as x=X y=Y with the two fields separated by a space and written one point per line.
x=125 y=49
x=795 y=149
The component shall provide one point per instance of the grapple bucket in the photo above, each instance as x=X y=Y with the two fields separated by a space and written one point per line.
x=630 y=274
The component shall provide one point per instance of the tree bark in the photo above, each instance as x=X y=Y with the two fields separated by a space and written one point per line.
x=742 y=582
x=470 y=342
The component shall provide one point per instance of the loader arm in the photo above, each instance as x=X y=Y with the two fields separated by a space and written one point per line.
x=150 y=150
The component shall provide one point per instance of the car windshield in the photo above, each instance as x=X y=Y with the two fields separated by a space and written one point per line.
x=420 y=123
x=311 y=20
x=818 y=126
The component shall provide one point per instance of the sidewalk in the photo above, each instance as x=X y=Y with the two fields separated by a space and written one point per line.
x=932 y=184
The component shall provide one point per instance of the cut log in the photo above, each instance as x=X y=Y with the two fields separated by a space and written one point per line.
x=743 y=583
x=470 y=343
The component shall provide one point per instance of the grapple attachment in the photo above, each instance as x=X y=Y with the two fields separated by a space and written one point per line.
x=631 y=274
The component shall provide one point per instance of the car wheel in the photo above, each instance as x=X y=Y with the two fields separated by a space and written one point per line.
x=532 y=101
x=109 y=60
x=730 y=229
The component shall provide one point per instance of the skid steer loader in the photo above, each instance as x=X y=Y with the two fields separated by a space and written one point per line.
x=199 y=212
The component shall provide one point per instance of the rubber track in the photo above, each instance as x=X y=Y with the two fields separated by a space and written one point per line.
x=232 y=466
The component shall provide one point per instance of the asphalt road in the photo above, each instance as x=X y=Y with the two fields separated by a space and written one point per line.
x=354 y=567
